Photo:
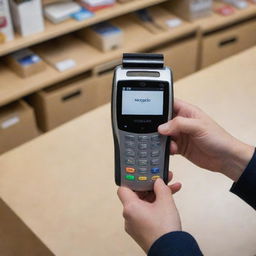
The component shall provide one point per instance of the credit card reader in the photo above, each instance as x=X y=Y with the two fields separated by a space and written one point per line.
x=142 y=99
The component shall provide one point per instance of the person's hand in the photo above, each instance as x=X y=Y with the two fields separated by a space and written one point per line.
x=202 y=141
x=150 y=215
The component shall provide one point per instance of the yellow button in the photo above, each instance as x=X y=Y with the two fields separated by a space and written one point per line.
x=142 y=178
x=130 y=170
x=155 y=177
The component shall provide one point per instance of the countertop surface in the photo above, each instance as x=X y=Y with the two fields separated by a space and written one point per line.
x=62 y=183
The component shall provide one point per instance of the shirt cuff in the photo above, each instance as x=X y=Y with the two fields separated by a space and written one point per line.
x=245 y=187
x=176 y=243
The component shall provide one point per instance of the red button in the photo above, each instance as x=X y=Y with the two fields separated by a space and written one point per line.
x=130 y=170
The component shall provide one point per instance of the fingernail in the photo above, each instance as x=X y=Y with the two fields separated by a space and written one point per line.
x=164 y=127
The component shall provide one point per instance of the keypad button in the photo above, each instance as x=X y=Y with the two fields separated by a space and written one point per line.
x=154 y=162
x=129 y=137
x=155 y=170
x=155 y=177
x=155 y=138
x=142 y=178
x=143 y=162
x=142 y=170
x=143 y=138
x=130 y=170
x=129 y=144
x=143 y=154
x=130 y=161
x=155 y=145
x=155 y=153
x=130 y=152
x=129 y=177
x=143 y=146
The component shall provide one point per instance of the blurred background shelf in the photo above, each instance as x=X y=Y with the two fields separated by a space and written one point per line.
x=55 y=30
x=216 y=21
x=136 y=39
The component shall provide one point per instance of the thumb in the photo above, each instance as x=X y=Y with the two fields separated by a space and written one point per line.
x=126 y=195
x=180 y=125
x=162 y=191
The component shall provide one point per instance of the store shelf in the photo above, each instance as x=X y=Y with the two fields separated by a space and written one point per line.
x=136 y=39
x=216 y=21
x=55 y=30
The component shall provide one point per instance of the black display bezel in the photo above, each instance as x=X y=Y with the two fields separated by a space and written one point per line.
x=141 y=123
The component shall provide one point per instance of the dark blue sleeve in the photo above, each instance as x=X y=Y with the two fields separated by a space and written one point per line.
x=245 y=187
x=176 y=243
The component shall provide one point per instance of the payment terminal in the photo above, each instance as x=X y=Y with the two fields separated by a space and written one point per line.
x=142 y=99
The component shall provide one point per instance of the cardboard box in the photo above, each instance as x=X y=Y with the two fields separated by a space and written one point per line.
x=220 y=44
x=177 y=58
x=17 y=125
x=190 y=9
x=25 y=63
x=247 y=35
x=103 y=78
x=27 y=16
x=6 y=29
x=104 y=36
x=64 y=101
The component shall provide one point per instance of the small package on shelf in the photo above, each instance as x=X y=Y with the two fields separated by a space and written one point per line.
x=95 y=5
x=239 y=4
x=17 y=125
x=156 y=19
x=124 y=1
x=27 y=16
x=59 y=12
x=25 y=63
x=66 y=52
x=223 y=9
x=104 y=36
x=190 y=9
x=82 y=14
x=144 y=18
x=6 y=29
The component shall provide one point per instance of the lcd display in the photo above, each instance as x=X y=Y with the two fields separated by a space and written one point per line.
x=138 y=101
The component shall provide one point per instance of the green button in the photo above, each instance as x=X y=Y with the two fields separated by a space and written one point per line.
x=130 y=177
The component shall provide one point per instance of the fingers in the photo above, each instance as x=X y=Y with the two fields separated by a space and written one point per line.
x=161 y=190
x=180 y=125
x=174 y=148
x=184 y=108
x=179 y=105
x=170 y=176
x=126 y=195
x=176 y=187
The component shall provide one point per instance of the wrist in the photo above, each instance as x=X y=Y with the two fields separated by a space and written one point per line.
x=150 y=239
x=238 y=158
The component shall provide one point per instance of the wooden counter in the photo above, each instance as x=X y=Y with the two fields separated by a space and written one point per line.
x=61 y=185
